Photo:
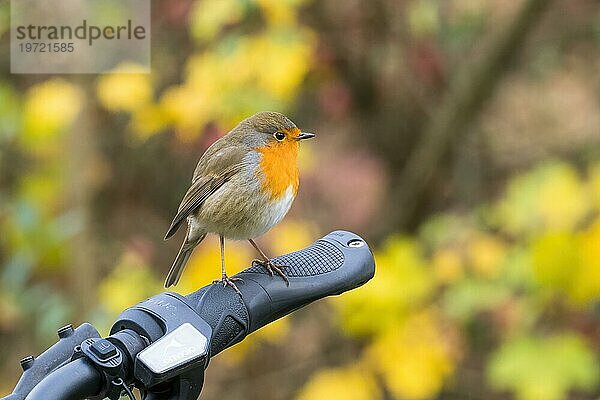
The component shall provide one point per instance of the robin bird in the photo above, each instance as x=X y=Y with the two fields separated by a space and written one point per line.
x=243 y=185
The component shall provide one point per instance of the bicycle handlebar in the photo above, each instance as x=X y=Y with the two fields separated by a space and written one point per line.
x=338 y=262
x=74 y=381
x=332 y=265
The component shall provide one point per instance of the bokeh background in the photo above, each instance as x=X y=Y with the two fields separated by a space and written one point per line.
x=461 y=138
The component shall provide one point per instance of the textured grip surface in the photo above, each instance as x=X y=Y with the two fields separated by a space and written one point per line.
x=224 y=311
x=334 y=264
x=338 y=262
x=319 y=258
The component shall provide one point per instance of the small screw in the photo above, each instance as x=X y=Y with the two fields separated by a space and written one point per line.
x=356 y=243
x=27 y=362
x=65 y=331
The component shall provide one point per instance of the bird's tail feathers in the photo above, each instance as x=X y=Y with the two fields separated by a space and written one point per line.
x=174 y=227
x=180 y=261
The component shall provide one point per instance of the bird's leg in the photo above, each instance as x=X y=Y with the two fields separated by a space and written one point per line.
x=225 y=280
x=267 y=263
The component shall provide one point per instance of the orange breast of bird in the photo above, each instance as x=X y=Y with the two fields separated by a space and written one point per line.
x=279 y=166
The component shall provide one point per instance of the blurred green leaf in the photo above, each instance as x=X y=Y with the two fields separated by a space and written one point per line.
x=537 y=368
x=467 y=298
x=443 y=229
x=423 y=17
x=10 y=109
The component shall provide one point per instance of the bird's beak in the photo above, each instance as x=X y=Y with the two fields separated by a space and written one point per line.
x=305 y=135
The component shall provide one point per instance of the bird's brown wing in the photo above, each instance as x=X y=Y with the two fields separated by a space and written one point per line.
x=221 y=155
x=217 y=166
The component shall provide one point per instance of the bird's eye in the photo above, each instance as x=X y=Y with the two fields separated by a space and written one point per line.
x=279 y=135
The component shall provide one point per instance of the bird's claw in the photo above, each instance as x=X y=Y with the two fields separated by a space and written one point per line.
x=270 y=267
x=227 y=281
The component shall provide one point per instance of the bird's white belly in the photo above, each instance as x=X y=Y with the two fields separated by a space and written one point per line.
x=243 y=214
x=274 y=213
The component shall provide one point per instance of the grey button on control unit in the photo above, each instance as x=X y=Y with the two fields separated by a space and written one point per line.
x=179 y=347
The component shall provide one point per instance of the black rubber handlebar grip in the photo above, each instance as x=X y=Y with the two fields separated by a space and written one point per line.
x=332 y=265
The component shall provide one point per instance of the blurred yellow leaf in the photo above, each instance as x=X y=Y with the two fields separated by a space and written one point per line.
x=274 y=62
x=129 y=283
x=189 y=110
x=289 y=236
x=594 y=174
x=238 y=75
x=49 y=108
x=148 y=119
x=555 y=257
x=281 y=60
x=570 y=263
x=125 y=89
x=562 y=197
x=447 y=265
x=349 y=383
x=551 y=196
x=280 y=12
x=486 y=254
x=401 y=283
x=415 y=357
x=207 y=18
x=586 y=280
